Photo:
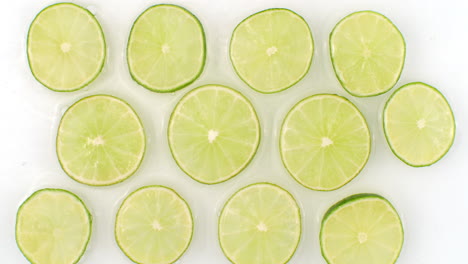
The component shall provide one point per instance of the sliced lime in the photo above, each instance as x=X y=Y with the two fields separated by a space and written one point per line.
x=166 y=48
x=364 y=229
x=154 y=225
x=419 y=124
x=53 y=226
x=213 y=133
x=368 y=52
x=324 y=142
x=100 y=140
x=66 y=47
x=272 y=50
x=260 y=224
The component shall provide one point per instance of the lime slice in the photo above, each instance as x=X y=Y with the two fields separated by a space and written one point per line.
x=213 y=133
x=53 y=226
x=272 y=50
x=419 y=124
x=364 y=229
x=100 y=140
x=66 y=47
x=367 y=52
x=324 y=142
x=260 y=224
x=154 y=225
x=166 y=48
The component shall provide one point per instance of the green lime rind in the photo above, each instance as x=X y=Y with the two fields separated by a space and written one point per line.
x=388 y=138
x=90 y=218
x=91 y=15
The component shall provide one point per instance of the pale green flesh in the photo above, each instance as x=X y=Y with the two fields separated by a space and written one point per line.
x=260 y=224
x=166 y=48
x=213 y=133
x=368 y=53
x=53 y=226
x=154 y=225
x=100 y=140
x=324 y=142
x=66 y=47
x=364 y=230
x=272 y=50
x=419 y=124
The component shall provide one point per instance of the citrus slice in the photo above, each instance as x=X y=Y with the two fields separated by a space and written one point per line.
x=260 y=224
x=213 y=133
x=324 y=142
x=53 y=226
x=364 y=229
x=367 y=52
x=166 y=48
x=66 y=47
x=100 y=140
x=418 y=124
x=272 y=50
x=154 y=225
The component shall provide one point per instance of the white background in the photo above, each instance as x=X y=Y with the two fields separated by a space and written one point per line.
x=432 y=201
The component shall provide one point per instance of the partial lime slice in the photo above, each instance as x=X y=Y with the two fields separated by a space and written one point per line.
x=368 y=52
x=419 y=124
x=363 y=228
x=166 y=48
x=324 y=142
x=53 y=226
x=66 y=47
x=154 y=225
x=260 y=224
x=100 y=140
x=213 y=133
x=272 y=50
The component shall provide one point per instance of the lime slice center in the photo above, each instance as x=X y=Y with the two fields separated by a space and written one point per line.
x=262 y=227
x=156 y=226
x=326 y=142
x=421 y=123
x=362 y=237
x=65 y=47
x=271 y=51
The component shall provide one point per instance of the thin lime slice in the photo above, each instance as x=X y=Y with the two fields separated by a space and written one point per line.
x=272 y=50
x=418 y=124
x=154 y=225
x=260 y=224
x=66 y=47
x=368 y=52
x=100 y=140
x=324 y=142
x=213 y=133
x=166 y=48
x=364 y=229
x=53 y=226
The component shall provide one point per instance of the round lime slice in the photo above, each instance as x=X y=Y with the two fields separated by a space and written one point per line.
x=363 y=228
x=260 y=224
x=213 y=133
x=53 y=226
x=66 y=47
x=418 y=124
x=272 y=50
x=154 y=225
x=166 y=48
x=100 y=140
x=324 y=142
x=367 y=52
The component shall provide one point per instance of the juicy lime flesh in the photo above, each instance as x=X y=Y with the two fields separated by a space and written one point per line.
x=166 y=48
x=324 y=142
x=213 y=133
x=419 y=124
x=260 y=224
x=365 y=230
x=66 y=47
x=368 y=53
x=53 y=226
x=272 y=50
x=100 y=140
x=154 y=225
